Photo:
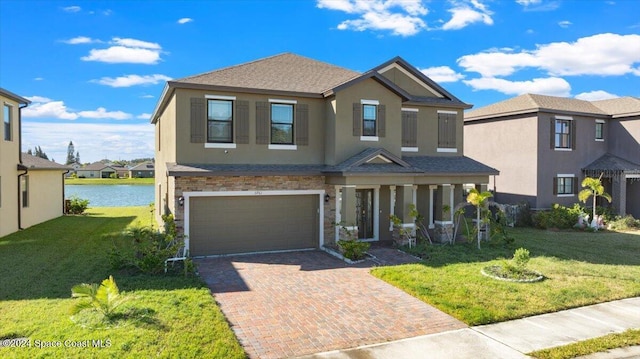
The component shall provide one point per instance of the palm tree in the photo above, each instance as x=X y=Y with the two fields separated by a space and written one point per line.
x=478 y=199
x=593 y=187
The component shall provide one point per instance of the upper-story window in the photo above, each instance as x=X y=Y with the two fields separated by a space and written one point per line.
x=563 y=133
x=219 y=121
x=8 y=135
x=447 y=131
x=281 y=124
x=599 y=130
x=369 y=116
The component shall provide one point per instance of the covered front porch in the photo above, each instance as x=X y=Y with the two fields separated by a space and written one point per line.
x=375 y=185
x=621 y=179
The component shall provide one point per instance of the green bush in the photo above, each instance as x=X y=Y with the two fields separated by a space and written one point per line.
x=559 y=217
x=114 y=175
x=625 y=223
x=77 y=205
x=353 y=249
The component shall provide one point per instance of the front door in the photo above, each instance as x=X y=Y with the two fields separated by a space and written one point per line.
x=364 y=215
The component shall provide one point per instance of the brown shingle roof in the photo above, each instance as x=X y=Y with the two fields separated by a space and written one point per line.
x=620 y=107
x=284 y=72
x=534 y=103
x=37 y=163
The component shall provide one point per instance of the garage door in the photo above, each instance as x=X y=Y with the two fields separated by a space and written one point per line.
x=224 y=225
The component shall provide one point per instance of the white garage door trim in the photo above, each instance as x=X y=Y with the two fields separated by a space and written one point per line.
x=187 y=196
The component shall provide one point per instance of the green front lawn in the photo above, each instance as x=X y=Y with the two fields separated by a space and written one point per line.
x=110 y=181
x=581 y=269
x=177 y=315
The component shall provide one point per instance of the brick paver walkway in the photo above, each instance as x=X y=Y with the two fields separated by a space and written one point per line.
x=290 y=304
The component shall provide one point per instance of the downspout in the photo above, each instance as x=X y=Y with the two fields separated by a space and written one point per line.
x=64 y=207
x=21 y=167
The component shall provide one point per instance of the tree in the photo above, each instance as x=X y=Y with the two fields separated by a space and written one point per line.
x=29 y=152
x=593 y=187
x=478 y=199
x=70 y=151
x=40 y=153
x=78 y=157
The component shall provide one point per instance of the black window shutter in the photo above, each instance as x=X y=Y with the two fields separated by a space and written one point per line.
x=198 y=119
x=242 y=122
x=575 y=185
x=382 y=120
x=357 y=119
x=573 y=135
x=262 y=123
x=553 y=132
x=302 y=125
x=555 y=185
x=442 y=130
x=451 y=131
x=409 y=129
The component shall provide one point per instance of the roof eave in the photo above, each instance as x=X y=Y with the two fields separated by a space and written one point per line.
x=14 y=97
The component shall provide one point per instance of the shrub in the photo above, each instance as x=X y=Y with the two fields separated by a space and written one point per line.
x=625 y=223
x=559 y=217
x=77 y=205
x=104 y=298
x=114 y=175
x=354 y=249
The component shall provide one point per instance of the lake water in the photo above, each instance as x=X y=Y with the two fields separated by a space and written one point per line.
x=112 y=195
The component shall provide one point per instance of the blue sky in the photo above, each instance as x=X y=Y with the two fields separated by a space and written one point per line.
x=95 y=69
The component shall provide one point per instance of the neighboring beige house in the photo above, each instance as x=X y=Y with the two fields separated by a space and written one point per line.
x=31 y=188
x=544 y=146
x=142 y=170
x=271 y=155
x=96 y=170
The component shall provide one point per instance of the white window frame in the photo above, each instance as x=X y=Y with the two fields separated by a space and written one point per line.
x=566 y=175
x=563 y=118
x=601 y=123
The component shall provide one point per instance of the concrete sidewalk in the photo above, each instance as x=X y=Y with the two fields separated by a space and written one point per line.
x=512 y=339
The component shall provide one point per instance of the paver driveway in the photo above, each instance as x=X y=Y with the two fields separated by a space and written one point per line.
x=289 y=304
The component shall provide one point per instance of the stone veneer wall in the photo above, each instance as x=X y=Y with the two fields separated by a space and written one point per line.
x=258 y=183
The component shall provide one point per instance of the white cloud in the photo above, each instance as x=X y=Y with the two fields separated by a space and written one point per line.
x=38 y=78
x=467 y=13
x=442 y=74
x=80 y=40
x=126 y=50
x=72 y=8
x=144 y=116
x=102 y=113
x=401 y=17
x=552 y=86
x=127 y=42
x=94 y=141
x=595 y=95
x=603 y=54
x=147 y=96
x=132 y=80
x=185 y=20
x=121 y=54
x=565 y=23
x=528 y=2
x=42 y=107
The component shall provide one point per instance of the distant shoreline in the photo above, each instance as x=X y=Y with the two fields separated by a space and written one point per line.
x=109 y=181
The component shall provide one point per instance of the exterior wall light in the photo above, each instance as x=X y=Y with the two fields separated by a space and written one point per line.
x=327 y=198
x=181 y=201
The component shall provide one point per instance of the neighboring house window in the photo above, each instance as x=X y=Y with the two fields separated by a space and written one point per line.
x=7 y=123
x=281 y=124
x=220 y=121
x=565 y=185
x=369 y=120
x=25 y=190
x=599 y=130
x=447 y=131
x=563 y=135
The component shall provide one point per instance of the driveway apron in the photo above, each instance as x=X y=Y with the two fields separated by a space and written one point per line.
x=289 y=304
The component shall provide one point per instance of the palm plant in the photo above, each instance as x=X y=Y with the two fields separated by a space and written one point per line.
x=478 y=199
x=104 y=298
x=593 y=187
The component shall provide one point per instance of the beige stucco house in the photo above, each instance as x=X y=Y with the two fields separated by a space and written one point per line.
x=271 y=155
x=97 y=170
x=31 y=188
x=544 y=146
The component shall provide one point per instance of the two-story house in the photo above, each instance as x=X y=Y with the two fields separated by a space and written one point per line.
x=274 y=154
x=544 y=146
x=31 y=188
